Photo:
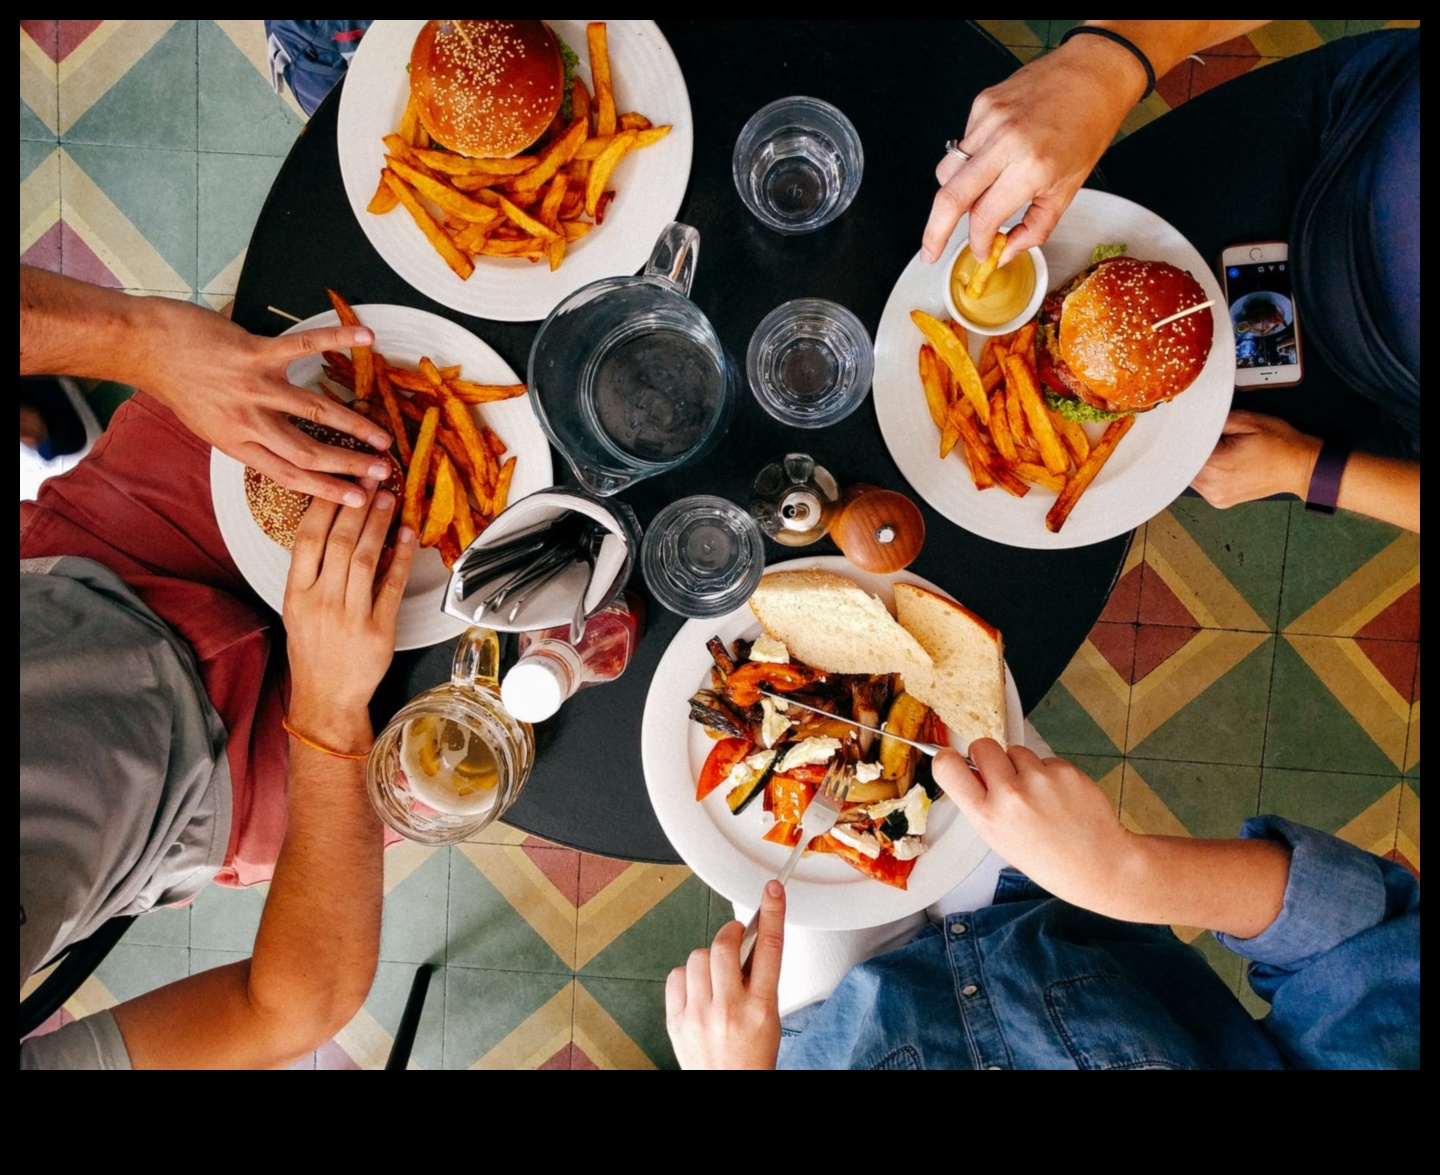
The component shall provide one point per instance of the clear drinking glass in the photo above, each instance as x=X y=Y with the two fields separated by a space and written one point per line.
x=627 y=377
x=810 y=362
x=702 y=556
x=451 y=760
x=798 y=164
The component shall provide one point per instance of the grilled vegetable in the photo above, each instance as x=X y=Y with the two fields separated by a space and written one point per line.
x=709 y=709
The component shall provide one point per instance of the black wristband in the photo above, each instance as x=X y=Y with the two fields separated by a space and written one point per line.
x=1124 y=43
x=1324 y=491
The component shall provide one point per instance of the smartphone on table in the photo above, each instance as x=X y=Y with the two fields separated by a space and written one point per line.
x=1261 y=299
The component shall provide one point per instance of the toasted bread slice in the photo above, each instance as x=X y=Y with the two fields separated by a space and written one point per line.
x=965 y=684
x=831 y=623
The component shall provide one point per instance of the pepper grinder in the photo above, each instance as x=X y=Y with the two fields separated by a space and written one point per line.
x=878 y=530
x=797 y=502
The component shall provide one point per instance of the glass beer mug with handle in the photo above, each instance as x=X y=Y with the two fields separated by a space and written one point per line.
x=451 y=760
x=627 y=377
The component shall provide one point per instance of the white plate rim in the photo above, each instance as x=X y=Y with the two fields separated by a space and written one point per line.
x=400 y=332
x=673 y=748
x=1153 y=464
x=647 y=78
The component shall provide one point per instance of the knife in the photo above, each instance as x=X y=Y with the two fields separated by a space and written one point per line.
x=931 y=749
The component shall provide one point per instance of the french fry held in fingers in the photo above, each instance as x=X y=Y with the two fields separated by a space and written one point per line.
x=976 y=285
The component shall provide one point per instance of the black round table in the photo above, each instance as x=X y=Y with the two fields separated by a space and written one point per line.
x=905 y=98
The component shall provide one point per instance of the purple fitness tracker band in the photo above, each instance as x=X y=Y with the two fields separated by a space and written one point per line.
x=1324 y=489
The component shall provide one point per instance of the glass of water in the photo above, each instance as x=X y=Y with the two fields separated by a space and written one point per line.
x=702 y=556
x=798 y=164
x=810 y=362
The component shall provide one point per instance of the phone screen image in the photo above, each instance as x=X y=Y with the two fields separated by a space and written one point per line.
x=1262 y=310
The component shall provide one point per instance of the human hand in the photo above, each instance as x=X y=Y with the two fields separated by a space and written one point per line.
x=1045 y=816
x=1036 y=136
x=717 y=1016
x=229 y=387
x=339 y=621
x=1255 y=457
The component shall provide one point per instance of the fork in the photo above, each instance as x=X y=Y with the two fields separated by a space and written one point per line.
x=819 y=818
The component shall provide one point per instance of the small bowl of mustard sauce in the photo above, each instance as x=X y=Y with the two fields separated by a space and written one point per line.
x=1010 y=298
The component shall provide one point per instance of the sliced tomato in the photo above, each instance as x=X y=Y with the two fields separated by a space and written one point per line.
x=723 y=756
x=790 y=795
x=743 y=686
x=783 y=833
x=882 y=868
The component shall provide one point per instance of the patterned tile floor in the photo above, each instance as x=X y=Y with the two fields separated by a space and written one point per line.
x=1255 y=659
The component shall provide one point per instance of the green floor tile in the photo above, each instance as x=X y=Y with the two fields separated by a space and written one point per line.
x=1065 y=724
x=32 y=155
x=415 y=917
x=1209 y=799
x=238 y=109
x=386 y=1003
x=721 y=911
x=1246 y=544
x=1226 y=964
x=1327 y=800
x=155 y=190
x=129 y=971
x=484 y=930
x=1225 y=723
x=483 y=1007
x=232 y=192
x=152 y=105
x=659 y=940
x=209 y=960
x=225 y=919
x=638 y=1007
x=33 y=128
x=160 y=928
x=1325 y=551
x=1309 y=728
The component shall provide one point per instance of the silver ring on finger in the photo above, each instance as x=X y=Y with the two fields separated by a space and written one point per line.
x=952 y=147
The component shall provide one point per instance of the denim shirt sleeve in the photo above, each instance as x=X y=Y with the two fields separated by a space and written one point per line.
x=1340 y=965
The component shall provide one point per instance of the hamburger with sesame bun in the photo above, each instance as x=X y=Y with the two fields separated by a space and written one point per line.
x=277 y=510
x=1097 y=355
x=489 y=88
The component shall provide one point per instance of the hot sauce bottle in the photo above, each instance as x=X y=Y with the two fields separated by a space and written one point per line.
x=551 y=668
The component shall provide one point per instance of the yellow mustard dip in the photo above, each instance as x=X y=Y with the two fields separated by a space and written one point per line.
x=1006 y=294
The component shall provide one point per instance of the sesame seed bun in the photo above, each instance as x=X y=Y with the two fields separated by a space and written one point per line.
x=486 y=88
x=1104 y=351
x=277 y=511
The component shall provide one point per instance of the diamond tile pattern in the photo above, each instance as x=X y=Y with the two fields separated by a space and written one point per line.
x=1257 y=659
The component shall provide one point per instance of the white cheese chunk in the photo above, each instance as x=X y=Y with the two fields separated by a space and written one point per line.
x=914 y=803
x=863 y=842
x=907 y=848
x=774 y=724
x=867 y=772
x=768 y=649
x=807 y=751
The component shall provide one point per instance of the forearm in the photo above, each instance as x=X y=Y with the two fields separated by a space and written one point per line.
x=1165 y=42
x=1233 y=886
x=70 y=327
x=1382 y=487
x=319 y=935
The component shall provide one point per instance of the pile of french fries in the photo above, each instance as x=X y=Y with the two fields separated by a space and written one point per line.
x=529 y=206
x=996 y=417
x=455 y=481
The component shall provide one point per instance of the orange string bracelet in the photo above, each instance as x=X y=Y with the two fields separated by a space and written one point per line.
x=321 y=747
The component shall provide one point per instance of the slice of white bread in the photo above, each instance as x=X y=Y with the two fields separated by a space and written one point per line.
x=831 y=623
x=965 y=684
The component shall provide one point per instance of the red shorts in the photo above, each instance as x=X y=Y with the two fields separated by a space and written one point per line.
x=139 y=504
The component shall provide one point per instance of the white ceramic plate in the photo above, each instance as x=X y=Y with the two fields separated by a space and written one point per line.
x=405 y=335
x=649 y=184
x=727 y=850
x=1151 y=466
